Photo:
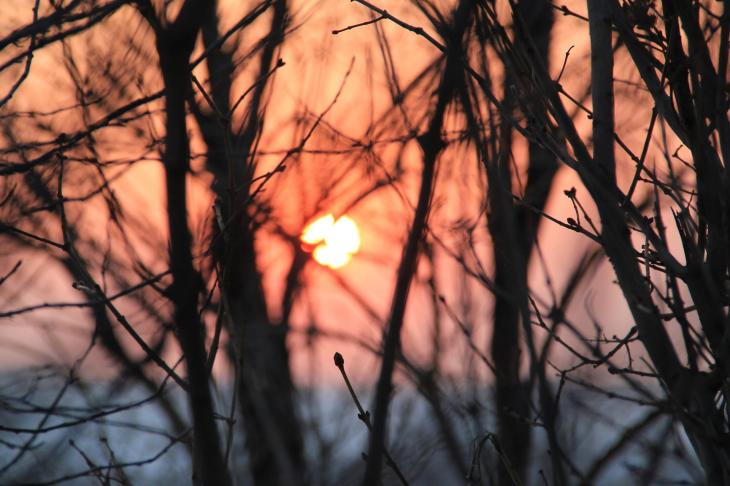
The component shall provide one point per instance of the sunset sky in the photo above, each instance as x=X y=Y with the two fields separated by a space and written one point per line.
x=325 y=180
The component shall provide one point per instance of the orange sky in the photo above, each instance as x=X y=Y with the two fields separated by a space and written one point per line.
x=316 y=65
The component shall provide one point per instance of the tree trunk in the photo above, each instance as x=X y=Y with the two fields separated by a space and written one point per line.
x=512 y=264
x=174 y=46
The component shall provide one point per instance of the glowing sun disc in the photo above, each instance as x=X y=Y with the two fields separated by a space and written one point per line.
x=328 y=257
x=317 y=230
x=334 y=241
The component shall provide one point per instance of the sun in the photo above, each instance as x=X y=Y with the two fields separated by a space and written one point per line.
x=333 y=241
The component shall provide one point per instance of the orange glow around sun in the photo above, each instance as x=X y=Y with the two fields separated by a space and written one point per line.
x=334 y=241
